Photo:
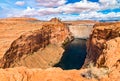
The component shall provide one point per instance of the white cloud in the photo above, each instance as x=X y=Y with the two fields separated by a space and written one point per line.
x=100 y=16
x=105 y=4
x=48 y=11
x=20 y=3
x=112 y=2
x=28 y=12
x=61 y=16
x=84 y=16
x=51 y=3
x=79 y=7
x=86 y=9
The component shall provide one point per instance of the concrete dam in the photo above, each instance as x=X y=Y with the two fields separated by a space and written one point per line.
x=81 y=31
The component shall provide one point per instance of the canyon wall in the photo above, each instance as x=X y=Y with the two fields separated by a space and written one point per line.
x=103 y=49
x=12 y=28
x=103 y=45
x=50 y=34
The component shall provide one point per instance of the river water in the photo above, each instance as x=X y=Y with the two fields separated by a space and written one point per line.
x=74 y=55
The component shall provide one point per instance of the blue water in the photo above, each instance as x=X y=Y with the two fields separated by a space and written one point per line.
x=74 y=55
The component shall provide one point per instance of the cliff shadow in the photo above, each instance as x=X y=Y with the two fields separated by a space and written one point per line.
x=74 y=55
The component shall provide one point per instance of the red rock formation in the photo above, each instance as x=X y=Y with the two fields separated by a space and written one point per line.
x=103 y=49
x=41 y=48
x=12 y=28
x=33 y=41
x=51 y=74
x=96 y=44
x=55 y=20
x=110 y=56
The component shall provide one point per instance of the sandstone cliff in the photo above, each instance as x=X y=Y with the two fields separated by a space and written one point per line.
x=103 y=49
x=34 y=41
x=102 y=34
x=12 y=28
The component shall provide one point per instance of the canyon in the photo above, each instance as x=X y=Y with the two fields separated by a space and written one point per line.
x=30 y=48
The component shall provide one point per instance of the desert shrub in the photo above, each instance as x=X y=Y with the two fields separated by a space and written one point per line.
x=94 y=72
x=66 y=41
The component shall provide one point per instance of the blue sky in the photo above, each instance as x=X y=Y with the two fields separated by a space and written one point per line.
x=64 y=9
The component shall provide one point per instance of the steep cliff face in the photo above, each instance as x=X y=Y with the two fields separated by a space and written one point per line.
x=104 y=44
x=110 y=57
x=103 y=49
x=33 y=41
x=12 y=28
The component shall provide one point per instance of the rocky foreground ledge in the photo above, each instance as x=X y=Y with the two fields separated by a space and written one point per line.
x=51 y=74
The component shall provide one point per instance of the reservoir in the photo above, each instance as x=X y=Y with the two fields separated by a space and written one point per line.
x=74 y=55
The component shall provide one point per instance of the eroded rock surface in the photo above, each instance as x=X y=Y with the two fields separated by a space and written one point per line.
x=31 y=42
x=12 y=28
x=103 y=49
x=102 y=34
x=51 y=74
x=111 y=54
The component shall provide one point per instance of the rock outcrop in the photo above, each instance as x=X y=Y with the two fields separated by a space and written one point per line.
x=55 y=20
x=104 y=44
x=110 y=56
x=12 y=28
x=103 y=49
x=33 y=41
x=50 y=74
x=102 y=34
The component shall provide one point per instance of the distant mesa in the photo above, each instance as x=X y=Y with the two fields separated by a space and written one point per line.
x=19 y=19
x=55 y=20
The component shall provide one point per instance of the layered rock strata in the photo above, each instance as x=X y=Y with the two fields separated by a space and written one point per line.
x=33 y=41
x=104 y=44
